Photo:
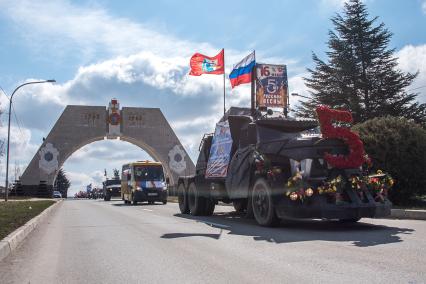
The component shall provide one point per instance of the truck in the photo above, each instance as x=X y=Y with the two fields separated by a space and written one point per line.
x=143 y=181
x=111 y=188
x=272 y=167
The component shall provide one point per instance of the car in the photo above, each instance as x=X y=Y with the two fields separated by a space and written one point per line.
x=56 y=194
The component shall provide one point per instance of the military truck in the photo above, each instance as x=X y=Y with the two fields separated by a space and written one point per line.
x=272 y=167
x=111 y=188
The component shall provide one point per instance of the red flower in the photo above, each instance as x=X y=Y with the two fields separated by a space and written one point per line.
x=356 y=155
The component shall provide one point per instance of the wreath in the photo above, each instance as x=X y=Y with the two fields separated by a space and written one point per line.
x=114 y=118
x=357 y=155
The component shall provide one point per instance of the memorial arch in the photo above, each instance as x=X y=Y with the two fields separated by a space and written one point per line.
x=78 y=126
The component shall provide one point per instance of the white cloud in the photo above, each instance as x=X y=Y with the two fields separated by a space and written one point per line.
x=424 y=7
x=333 y=3
x=412 y=59
x=92 y=29
x=80 y=180
x=127 y=60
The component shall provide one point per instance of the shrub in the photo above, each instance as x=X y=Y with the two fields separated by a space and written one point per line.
x=397 y=146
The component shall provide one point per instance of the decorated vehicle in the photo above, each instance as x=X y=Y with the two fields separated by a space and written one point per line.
x=143 y=181
x=274 y=167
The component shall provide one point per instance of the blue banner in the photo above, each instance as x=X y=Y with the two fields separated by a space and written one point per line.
x=220 y=151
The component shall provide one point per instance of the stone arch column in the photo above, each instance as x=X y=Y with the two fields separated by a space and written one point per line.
x=77 y=126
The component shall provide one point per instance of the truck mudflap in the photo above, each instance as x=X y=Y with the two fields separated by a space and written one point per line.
x=320 y=207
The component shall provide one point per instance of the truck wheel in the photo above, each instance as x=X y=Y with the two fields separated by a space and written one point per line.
x=249 y=210
x=263 y=207
x=196 y=203
x=183 y=199
x=209 y=209
x=107 y=198
x=240 y=205
x=134 y=202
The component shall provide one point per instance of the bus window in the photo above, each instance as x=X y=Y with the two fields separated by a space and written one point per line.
x=147 y=173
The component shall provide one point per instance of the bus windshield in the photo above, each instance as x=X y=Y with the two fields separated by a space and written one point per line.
x=146 y=173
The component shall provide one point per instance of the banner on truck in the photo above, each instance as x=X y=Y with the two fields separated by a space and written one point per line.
x=220 y=151
x=271 y=85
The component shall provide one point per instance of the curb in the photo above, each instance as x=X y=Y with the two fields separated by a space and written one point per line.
x=408 y=214
x=14 y=239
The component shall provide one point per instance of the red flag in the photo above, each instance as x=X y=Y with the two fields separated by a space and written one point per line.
x=202 y=64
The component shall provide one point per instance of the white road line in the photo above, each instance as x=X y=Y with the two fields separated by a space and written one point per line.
x=147 y=209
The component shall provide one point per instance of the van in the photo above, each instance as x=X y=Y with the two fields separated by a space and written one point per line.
x=143 y=181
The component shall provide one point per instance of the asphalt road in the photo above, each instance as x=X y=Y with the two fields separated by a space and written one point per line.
x=88 y=241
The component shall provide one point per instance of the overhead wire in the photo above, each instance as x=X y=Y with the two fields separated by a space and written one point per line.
x=18 y=122
x=14 y=113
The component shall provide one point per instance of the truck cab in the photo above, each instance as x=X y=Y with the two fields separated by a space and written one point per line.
x=111 y=188
x=143 y=181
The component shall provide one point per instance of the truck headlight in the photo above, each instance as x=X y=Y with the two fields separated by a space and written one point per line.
x=138 y=188
x=164 y=187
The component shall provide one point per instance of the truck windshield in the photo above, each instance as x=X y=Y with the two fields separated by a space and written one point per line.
x=112 y=182
x=145 y=173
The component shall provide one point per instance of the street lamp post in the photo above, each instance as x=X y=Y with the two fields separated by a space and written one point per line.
x=8 y=132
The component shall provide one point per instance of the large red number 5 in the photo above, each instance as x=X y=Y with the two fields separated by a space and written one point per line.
x=356 y=156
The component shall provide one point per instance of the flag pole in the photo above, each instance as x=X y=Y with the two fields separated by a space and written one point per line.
x=253 y=91
x=224 y=106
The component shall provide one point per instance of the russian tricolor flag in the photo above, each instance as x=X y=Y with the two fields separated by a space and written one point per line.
x=242 y=72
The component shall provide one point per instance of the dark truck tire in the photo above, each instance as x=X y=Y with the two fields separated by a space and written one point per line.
x=240 y=205
x=249 y=210
x=209 y=209
x=183 y=199
x=107 y=198
x=263 y=207
x=197 y=204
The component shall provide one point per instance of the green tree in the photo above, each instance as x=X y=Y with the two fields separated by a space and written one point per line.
x=361 y=73
x=62 y=184
x=397 y=146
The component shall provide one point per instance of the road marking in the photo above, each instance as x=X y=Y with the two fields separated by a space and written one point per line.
x=214 y=224
x=147 y=209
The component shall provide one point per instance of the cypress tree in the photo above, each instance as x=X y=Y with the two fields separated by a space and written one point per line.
x=62 y=183
x=361 y=74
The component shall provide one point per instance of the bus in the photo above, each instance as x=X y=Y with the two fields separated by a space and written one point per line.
x=143 y=181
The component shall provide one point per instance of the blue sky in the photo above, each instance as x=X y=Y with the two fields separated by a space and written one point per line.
x=139 y=52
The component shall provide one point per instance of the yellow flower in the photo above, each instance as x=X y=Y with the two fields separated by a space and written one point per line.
x=334 y=188
x=379 y=172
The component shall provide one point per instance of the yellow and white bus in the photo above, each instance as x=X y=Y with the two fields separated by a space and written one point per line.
x=143 y=181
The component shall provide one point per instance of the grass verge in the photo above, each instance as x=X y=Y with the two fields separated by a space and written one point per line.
x=14 y=214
